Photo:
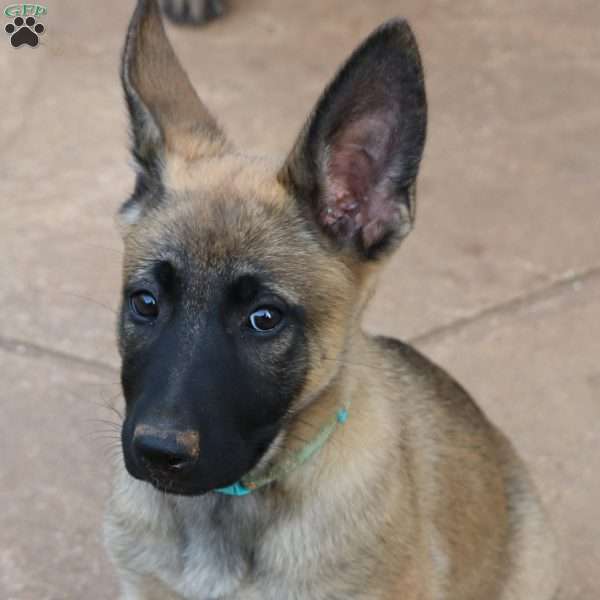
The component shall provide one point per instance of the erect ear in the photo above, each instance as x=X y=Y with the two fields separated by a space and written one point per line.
x=355 y=162
x=168 y=120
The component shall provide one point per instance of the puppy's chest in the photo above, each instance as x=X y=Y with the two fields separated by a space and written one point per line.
x=250 y=553
x=208 y=556
x=228 y=552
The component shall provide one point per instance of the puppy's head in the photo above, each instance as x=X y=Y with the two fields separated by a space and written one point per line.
x=243 y=281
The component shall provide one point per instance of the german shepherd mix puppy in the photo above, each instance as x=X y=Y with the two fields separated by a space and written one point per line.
x=273 y=450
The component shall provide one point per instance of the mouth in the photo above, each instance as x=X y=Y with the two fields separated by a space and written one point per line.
x=175 y=486
x=187 y=485
x=177 y=489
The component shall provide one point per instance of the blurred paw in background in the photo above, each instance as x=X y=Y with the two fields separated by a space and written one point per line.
x=192 y=12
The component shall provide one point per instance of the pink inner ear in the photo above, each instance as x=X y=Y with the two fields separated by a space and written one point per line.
x=358 y=194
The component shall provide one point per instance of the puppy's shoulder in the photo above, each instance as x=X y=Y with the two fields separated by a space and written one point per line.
x=418 y=384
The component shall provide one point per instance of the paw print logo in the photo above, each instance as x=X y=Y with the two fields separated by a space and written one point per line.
x=24 y=31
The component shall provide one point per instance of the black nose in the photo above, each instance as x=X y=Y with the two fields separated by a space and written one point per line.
x=173 y=452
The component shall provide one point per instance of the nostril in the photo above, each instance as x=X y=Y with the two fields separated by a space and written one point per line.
x=163 y=453
x=176 y=464
x=165 y=461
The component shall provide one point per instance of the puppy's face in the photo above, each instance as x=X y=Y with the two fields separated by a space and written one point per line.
x=243 y=283
x=229 y=307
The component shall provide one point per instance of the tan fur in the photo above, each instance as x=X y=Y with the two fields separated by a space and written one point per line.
x=188 y=128
x=416 y=497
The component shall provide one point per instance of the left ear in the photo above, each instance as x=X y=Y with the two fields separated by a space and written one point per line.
x=355 y=162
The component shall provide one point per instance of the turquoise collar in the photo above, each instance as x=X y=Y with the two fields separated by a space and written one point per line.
x=250 y=482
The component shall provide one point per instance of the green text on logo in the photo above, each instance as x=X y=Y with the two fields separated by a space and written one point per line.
x=25 y=10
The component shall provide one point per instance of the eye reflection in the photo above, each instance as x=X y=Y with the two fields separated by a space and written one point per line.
x=144 y=305
x=265 y=318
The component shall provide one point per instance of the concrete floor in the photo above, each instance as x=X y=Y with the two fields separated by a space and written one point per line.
x=500 y=282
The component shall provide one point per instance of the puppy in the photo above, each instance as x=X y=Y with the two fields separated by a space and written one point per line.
x=273 y=450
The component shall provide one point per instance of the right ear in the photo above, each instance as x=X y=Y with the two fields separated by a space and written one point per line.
x=168 y=120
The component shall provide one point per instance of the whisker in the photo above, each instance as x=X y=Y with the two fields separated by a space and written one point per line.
x=363 y=365
x=114 y=434
x=92 y=300
x=111 y=453
x=107 y=444
x=112 y=424
x=108 y=405
x=100 y=436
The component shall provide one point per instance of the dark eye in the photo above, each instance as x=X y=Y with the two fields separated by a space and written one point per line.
x=265 y=319
x=143 y=304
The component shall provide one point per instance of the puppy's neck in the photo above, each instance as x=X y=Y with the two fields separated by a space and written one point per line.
x=345 y=452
